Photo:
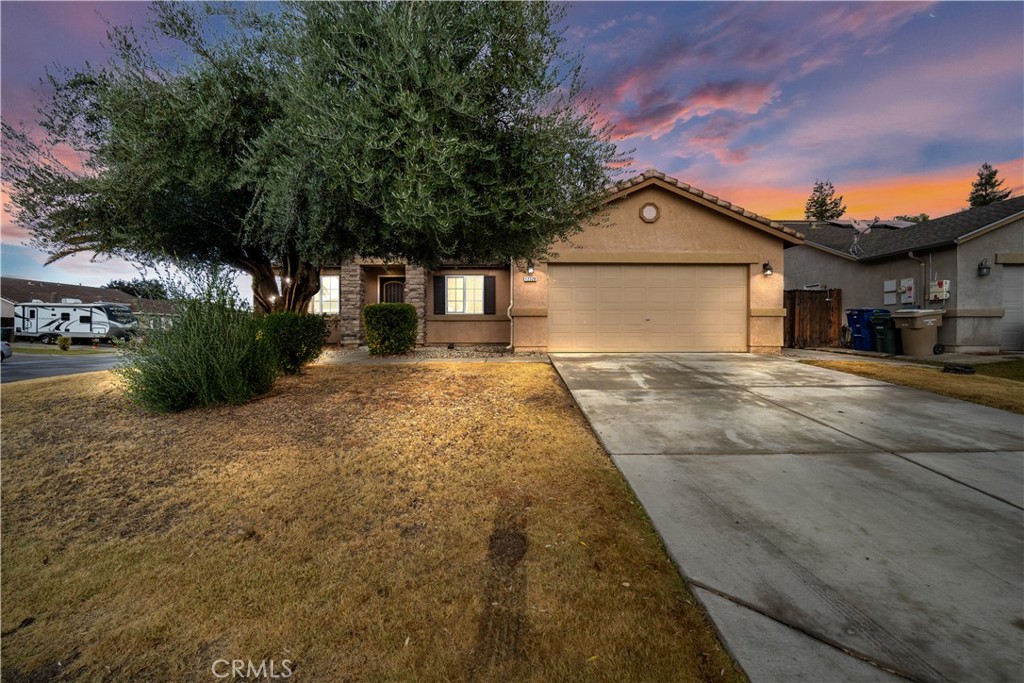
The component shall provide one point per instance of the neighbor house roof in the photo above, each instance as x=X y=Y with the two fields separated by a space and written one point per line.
x=20 y=291
x=655 y=177
x=882 y=241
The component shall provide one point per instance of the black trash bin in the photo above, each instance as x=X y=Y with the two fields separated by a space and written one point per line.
x=887 y=337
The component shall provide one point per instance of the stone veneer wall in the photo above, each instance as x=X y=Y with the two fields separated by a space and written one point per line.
x=352 y=295
x=416 y=294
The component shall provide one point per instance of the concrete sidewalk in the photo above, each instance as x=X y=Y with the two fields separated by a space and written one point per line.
x=852 y=354
x=836 y=528
x=362 y=357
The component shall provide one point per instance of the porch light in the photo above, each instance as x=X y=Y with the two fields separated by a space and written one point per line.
x=529 y=267
x=767 y=268
x=984 y=269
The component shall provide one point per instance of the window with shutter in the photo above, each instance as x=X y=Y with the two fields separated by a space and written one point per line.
x=464 y=295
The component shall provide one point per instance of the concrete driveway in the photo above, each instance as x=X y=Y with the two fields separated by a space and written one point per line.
x=836 y=528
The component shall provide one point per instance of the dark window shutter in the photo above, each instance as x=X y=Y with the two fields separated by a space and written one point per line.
x=439 y=294
x=488 y=295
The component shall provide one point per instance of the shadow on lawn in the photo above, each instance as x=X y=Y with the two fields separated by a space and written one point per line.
x=503 y=626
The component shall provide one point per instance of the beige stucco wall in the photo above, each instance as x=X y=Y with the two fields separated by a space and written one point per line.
x=470 y=329
x=972 y=314
x=685 y=232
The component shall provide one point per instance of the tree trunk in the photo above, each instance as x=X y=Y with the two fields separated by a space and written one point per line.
x=300 y=281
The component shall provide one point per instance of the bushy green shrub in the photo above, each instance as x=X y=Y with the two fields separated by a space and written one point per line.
x=390 y=328
x=298 y=338
x=214 y=352
x=64 y=343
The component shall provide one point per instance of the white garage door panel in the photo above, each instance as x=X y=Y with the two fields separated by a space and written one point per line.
x=647 y=308
x=1013 y=308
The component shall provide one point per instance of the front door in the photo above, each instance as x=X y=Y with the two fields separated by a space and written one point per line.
x=392 y=290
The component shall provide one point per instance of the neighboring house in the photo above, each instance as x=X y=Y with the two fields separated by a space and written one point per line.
x=14 y=290
x=977 y=255
x=668 y=268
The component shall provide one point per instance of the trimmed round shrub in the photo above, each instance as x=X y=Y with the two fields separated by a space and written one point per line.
x=298 y=338
x=64 y=343
x=390 y=328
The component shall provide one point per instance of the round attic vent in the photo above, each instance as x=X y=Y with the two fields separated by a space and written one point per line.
x=649 y=212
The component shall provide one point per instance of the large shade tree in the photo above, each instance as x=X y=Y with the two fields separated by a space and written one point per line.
x=163 y=130
x=442 y=131
x=424 y=132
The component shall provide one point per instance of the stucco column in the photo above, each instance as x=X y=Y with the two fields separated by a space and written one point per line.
x=352 y=295
x=416 y=295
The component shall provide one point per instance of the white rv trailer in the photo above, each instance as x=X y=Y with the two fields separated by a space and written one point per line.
x=71 y=318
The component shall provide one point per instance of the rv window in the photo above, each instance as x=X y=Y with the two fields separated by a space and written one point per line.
x=85 y=319
x=65 y=316
x=120 y=314
x=31 y=312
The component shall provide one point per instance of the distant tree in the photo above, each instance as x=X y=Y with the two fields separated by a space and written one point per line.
x=987 y=188
x=140 y=287
x=919 y=218
x=823 y=204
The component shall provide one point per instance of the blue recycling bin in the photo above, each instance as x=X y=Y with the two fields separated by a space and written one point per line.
x=859 y=322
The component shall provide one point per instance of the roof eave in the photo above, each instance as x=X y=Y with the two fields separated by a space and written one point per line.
x=698 y=196
x=989 y=228
x=829 y=250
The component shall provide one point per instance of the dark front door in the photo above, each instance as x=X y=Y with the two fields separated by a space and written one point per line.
x=392 y=290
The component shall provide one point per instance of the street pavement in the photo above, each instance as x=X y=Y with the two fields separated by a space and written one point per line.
x=835 y=528
x=22 y=366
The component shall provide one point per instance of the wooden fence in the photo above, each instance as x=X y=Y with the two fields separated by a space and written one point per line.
x=813 y=318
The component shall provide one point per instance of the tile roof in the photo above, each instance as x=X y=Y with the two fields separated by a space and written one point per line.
x=20 y=290
x=686 y=188
x=883 y=241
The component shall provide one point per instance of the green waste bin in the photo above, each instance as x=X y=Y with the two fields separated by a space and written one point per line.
x=887 y=337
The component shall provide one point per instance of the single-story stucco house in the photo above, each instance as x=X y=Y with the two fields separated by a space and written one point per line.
x=668 y=268
x=969 y=264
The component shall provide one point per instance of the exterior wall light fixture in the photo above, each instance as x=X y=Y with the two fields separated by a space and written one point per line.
x=767 y=268
x=984 y=269
x=529 y=267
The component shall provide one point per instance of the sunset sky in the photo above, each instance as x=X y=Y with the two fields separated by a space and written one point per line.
x=897 y=103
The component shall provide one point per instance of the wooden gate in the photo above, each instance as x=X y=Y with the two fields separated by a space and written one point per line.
x=813 y=317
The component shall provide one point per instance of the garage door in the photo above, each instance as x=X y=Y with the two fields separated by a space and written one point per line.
x=647 y=307
x=1013 y=309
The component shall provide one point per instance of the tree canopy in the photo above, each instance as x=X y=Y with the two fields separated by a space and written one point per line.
x=289 y=140
x=912 y=218
x=987 y=188
x=444 y=131
x=823 y=204
x=140 y=287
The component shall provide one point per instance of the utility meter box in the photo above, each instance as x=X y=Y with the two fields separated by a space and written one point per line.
x=906 y=290
x=939 y=290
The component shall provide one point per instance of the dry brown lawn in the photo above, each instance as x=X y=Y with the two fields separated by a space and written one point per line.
x=448 y=522
x=997 y=392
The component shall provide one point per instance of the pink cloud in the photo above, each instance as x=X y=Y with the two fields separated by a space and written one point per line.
x=654 y=120
x=715 y=138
